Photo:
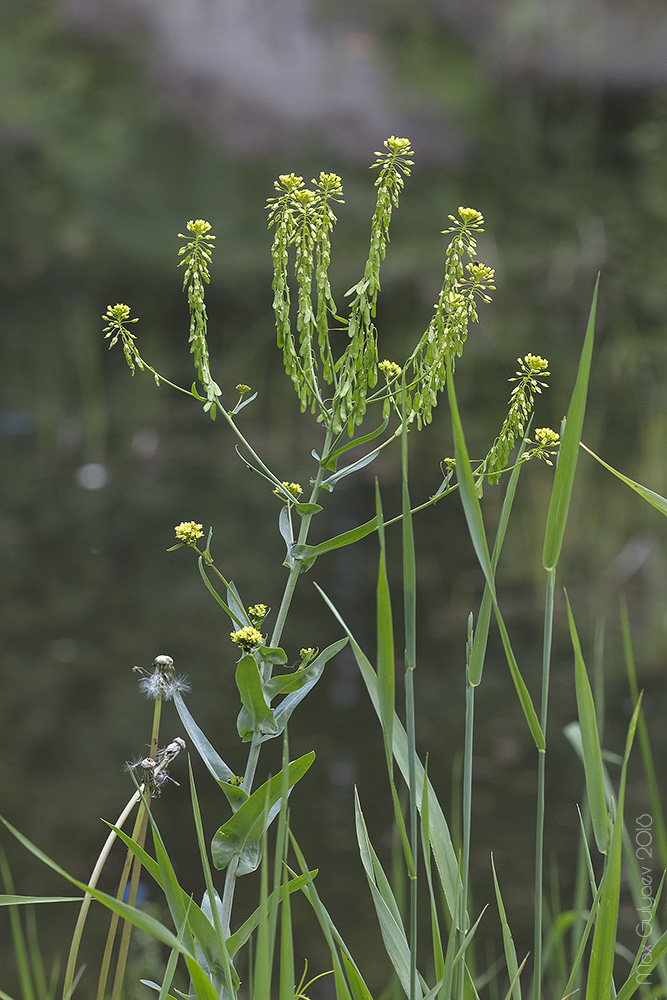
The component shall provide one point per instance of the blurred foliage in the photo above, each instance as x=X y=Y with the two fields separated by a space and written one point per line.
x=96 y=179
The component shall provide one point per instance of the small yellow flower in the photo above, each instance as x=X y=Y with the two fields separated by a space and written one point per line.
x=242 y=388
x=390 y=369
x=247 y=638
x=188 y=532
x=546 y=438
x=257 y=612
x=535 y=364
x=471 y=215
x=199 y=227
x=307 y=654
x=293 y=489
x=449 y=463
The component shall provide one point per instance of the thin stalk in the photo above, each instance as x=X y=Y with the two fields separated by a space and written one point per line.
x=410 y=617
x=466 y=824
x=113 y=922
x=138 y=834
x=281 y=618
x=541 y=780
x=87 y=899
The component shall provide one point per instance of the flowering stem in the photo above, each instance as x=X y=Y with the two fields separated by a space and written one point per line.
x=255 y=746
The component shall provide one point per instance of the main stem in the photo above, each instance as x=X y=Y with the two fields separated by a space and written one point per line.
x=281 y=618
x=541 y=781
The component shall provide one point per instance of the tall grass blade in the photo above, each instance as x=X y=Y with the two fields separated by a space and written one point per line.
x=508 y=940
x=469 y=498
x=222 y=952
x=474 y=520
x=654 y=499
x=648 y=957
x=140 y=919
x=657 y=814
x=569 y=449
x=441 y=841
x=592 y=753
x=330 y=933
x=599 y=985
x=287 y=979
x=481 y=635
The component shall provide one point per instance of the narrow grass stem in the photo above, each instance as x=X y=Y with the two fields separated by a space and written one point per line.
x=134 y=865
x=410 y=624
x=87 y=899
x=466 y=818
x=541 y=784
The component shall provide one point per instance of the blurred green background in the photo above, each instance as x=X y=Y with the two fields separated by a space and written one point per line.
x=116 y=127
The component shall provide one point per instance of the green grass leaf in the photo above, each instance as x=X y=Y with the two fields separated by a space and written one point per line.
x=508 y=940
x=569 y=449
x=137 y=917
x=441 y=841
x=592 y=753
x=599 y=985
x=655 y=500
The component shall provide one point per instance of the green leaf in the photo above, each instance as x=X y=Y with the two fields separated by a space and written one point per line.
x=199 y=922
x=329 y=461
x=242 y=935
x=481 y=635
x=508 y=940
x=600 y=984
x=473 y=514
x=257 y=717
x=270 y=654
x=590 y=742
x=648 y=955
x=137 y=917
x=569 y=449
x=11 y=900
x=214 y=762
x=469 y=498
x=308 y=508
x=657 y=501
x=241 y=835
x=441 y=841
x=338 y=542
x=386 y=908
x=347 y=470
x=284 y=710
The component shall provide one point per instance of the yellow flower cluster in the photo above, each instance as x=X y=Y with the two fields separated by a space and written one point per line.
x=535 y=364
x=293 y=489
x=390 y=369
x=247 y=638
x=546 y=438
x=188 y=532
x=257 y=612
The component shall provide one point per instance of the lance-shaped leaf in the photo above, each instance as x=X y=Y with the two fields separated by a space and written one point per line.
x=242 y=834
x=314 y=671
x=214 y=762
x=256 y=715
x=569 y=450
x=657 y=501
x=475 y=522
